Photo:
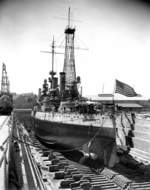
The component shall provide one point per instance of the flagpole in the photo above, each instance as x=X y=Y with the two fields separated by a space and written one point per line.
x=103 y=88
x=114 y=92
x=113 y=112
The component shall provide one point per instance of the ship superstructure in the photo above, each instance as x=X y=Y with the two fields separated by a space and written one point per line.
x=67 y=87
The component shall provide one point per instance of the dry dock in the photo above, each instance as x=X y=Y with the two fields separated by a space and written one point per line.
x=38 y=167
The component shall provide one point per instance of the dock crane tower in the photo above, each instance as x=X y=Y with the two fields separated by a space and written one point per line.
x=5 y=85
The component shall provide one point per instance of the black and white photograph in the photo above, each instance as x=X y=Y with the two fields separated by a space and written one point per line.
x=74 y=94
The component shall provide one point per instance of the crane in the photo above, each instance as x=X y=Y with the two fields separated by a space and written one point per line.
x=5 y=85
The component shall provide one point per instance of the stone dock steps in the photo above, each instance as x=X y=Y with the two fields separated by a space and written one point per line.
x=61 y=173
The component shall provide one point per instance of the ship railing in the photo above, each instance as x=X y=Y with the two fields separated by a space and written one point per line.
x=95 y=119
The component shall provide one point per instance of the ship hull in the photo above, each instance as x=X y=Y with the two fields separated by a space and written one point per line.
x=70 y=135
x=77 y=136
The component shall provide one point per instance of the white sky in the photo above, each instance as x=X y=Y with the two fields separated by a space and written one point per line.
x=117 y=33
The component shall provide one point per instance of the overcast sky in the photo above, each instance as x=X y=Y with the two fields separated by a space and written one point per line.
x=116 y=32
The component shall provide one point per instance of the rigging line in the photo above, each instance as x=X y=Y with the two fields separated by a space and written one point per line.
x=61 y=150
x=3 y=122
x=4 y=155
x=93 y=138
x=123 y=127
x=5 y=141
x=59 y=37
x=127 y=118
x=61 y=43
x=119 y=138
x=80 y=41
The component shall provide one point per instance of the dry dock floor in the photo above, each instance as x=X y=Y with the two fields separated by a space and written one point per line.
x=46 y=169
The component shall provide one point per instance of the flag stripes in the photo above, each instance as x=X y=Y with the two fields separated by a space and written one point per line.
x=124 y=89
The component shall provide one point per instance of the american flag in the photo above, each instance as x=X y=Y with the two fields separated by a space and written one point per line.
x=124 y=89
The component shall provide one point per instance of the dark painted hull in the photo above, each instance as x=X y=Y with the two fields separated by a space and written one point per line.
x=70 y=135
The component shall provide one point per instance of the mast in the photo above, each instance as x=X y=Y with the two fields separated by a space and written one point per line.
x=69 y=59
x=69 y=17
x=53 y=80
x=52 y=73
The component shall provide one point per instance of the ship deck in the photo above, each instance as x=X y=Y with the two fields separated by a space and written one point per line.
x=77 y=119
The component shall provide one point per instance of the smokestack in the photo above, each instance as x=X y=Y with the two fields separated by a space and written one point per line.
x=39 y=93
x=45 y=87
x=78 y=79
x=62 y=82
x=55 y=83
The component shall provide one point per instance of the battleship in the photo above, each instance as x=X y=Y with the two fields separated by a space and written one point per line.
x=64 y=117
